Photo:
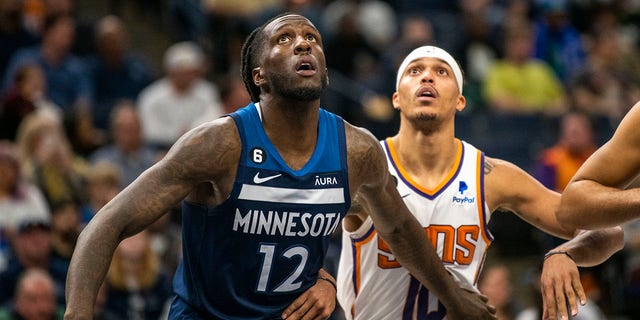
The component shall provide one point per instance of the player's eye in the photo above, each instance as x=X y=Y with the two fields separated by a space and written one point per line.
x=310 y=38
x=284 y=38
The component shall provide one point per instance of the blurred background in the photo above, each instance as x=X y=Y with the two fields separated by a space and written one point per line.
x=92 y=93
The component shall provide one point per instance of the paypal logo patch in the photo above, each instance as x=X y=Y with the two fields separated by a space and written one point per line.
x=465 y=197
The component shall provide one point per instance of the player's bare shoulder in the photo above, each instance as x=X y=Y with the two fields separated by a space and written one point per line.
x=497 y=166
x=208 y=151
x=500 y=173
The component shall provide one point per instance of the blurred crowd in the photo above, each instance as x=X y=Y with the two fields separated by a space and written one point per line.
x=83 y=112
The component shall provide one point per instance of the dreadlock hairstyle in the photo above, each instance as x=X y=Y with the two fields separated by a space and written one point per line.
x=251 y=49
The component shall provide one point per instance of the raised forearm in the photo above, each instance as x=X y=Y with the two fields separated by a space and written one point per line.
x=589 y=205
x=590 y=248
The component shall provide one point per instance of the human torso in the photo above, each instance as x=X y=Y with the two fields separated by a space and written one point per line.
x=252 y=255
x=167 y=115
x=371 y=283
x=532 y=84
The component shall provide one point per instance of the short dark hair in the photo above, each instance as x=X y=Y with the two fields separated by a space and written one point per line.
x=250 y=50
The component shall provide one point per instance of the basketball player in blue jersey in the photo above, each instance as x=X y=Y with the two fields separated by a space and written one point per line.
x=599 y=194
x=452 y=188
x=263 y=190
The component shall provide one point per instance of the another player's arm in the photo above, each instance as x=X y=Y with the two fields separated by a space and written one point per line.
x=560 y=281
x=370 y=179
x=509 y=187
x=204 y=154
x=594 y=198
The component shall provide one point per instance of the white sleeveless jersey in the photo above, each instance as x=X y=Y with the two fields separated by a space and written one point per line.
x=371 y=283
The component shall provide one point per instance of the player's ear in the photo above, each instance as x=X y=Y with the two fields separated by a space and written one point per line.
x=256 y=74
x=462 y=103
x=395 y=100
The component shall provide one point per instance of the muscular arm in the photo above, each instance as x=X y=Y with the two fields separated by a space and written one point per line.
x=201 y=155
x=590 y=248
x=398 y=227
x=509 y=187
x=595 y=197
x=538 y=205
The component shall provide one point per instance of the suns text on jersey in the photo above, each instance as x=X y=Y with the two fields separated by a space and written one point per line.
x=289 y=224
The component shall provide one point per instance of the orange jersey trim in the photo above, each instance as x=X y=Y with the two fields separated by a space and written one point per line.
x=405 y=176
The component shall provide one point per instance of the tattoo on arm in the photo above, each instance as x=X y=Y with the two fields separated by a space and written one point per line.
x=488 y=166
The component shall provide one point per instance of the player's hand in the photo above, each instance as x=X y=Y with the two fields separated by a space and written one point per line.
x=560 y=285
x=316 y=303
x=471 y=306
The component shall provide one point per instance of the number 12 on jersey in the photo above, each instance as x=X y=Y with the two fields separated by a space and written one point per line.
x=291 y=283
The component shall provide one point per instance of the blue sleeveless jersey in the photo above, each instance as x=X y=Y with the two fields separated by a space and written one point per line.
x=251 y=256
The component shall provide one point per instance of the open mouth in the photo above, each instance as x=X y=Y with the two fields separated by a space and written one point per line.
x=427 y=92
x=305 y=68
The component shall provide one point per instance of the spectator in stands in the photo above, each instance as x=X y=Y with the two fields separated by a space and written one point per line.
x=189 y=20
x=127 y=151
x=576 y=142
x=519 y=83
x=65 y=228
x=13 y=34
x=67 y=82
x=116 y=72
x=31 y=248
x=446 y=17
x=34 y=298
x=103 y=183
x=47 y=160
x=495 y=283
x=415 y=31
x=137 y=285
x=83 y=136
x=181 y=100
x=348 y=50
x=607 y=86
x=18 y=198
x=25 y=95
x=557 y=41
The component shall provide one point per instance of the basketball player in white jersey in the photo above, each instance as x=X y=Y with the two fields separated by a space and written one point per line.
x=452 y=188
